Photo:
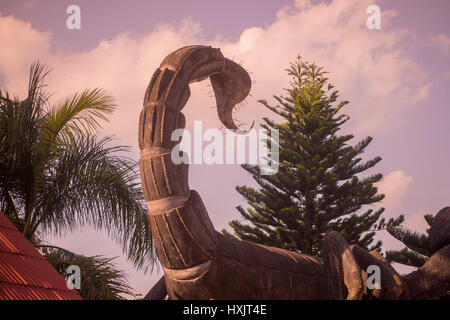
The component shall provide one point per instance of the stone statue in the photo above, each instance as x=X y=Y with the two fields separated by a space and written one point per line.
x=201 y=263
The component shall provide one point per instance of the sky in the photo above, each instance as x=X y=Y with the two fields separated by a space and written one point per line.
x=396 y=79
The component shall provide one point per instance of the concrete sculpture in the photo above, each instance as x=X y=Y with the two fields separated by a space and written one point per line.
x=201 y=263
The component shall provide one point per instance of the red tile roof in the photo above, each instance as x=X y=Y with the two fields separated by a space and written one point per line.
x=24 y=273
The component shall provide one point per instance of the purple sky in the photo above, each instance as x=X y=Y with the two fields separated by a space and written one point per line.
x=396 y=79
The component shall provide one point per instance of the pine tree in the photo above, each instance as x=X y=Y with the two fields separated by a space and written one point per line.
x=317 y=187
x=417 y=250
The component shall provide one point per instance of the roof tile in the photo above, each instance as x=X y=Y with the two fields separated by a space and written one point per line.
x=24 y=273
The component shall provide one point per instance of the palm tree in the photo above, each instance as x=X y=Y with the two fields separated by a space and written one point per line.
x=58 y=174
x=104 y=282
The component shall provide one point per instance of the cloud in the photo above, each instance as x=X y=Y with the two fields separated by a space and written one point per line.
x=394 y=186
x=22 y=45
x=122 y=65
x=443 y=42
x=29 y=4
x=369 y=67
x=416 y=222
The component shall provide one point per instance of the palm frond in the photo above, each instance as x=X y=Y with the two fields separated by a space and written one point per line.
x=100 y=279
x=78 y=115
x=91 y=183
x=57 y=174
x=37 y=96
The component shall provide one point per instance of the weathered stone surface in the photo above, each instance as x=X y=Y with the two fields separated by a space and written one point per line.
x=433 y=278
x=158 y=292
x=200 y=263
x=440 y=230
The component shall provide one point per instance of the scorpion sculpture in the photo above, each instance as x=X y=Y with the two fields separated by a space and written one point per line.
x=198 y=261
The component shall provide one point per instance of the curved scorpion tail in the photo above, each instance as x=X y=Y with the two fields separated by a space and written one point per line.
x=183 y=234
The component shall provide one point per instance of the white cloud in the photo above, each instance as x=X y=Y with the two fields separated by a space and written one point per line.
x=443 y=42
x=249 y=38
x=122 y=65
x=22 y=45
x=416 y=221
x=394 y=186
x=369 y=67
x=29 y=4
